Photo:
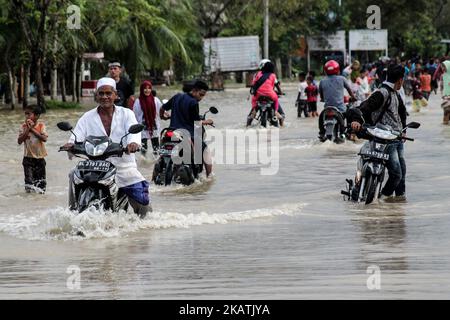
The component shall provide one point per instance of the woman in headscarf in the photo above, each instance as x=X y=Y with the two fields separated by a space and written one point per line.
x=146 y=109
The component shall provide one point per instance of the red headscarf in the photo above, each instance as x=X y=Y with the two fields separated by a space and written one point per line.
x=148 y=106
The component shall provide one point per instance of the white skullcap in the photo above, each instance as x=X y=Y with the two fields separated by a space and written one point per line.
x=106 y=82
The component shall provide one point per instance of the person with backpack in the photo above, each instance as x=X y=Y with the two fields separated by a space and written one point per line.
x=264 y=84
x=385 y=106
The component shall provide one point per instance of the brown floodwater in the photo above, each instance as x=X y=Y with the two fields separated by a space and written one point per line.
x=240 y=235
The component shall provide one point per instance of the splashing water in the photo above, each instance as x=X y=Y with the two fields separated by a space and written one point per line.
x=63 y=224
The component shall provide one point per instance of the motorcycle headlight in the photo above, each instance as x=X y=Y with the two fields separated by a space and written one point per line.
x=382 y=134
x=97 y=150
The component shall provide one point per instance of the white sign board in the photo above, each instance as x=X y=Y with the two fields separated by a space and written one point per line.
x=367 y=40
x=331 y=42
x=93 y=55
x=232 y=53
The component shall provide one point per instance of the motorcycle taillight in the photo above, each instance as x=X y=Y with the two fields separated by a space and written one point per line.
x=169 y=134
x=330 y=113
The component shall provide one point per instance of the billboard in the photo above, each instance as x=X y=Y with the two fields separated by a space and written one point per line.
x=331 y=42
x=367 y=40
x=228 y=54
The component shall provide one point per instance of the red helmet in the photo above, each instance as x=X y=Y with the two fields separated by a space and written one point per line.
x=332 y=67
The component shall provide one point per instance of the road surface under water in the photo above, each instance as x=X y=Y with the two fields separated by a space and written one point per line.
x=241 y=235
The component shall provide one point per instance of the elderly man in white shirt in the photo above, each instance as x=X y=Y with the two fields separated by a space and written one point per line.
x=108 y=120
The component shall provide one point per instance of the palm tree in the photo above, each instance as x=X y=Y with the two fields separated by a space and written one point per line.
x=141 y=37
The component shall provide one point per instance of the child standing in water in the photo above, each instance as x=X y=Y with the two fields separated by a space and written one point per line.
x=418 y=98
x=312 y=92
x=33 y=135
x=302 y=99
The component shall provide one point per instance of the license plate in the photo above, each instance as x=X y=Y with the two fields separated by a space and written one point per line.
x=94 y=165
x=166 y=152
x=378 y=155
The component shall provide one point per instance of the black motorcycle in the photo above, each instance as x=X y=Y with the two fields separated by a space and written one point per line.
x=265 y=108
x=167 y=169
x=333 y=125
x=371 y=165
x=93 y=182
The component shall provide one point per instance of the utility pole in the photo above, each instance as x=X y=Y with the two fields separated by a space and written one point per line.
x=266 y=29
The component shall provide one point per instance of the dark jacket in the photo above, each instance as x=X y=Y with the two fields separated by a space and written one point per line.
x=395 y=114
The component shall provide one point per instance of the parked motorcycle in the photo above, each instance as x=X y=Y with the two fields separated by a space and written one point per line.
x=93 y=181
x=371 y=165
x=166 y=170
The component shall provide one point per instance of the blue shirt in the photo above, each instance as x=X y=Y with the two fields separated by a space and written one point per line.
x=184 y=112
x=331 y=90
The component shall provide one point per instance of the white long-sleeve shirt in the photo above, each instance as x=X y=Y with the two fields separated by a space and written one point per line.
x=90 y=124
x=140 y=118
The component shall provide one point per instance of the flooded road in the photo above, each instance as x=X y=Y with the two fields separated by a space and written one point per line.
x=241 y=235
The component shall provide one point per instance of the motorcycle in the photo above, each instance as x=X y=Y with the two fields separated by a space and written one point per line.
x=93 y=182
x=265 y=112
x=166 y=170
x=371 y=165
x=333 y=124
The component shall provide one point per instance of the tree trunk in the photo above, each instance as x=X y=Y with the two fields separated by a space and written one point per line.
x=278 y=67
x=54 y=83
x=12 y=86
x=74 y=79
x=79 y=76
x=26 y=88
x=39 y=84
x=62 y=86
x=289 y=67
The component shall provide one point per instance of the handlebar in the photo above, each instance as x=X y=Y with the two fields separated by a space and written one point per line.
x=364 y=128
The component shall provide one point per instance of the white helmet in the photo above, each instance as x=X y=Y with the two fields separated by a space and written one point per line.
x=262 y=63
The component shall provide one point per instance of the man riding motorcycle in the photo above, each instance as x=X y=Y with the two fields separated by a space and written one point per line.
x=331 y=90
x=113 y=121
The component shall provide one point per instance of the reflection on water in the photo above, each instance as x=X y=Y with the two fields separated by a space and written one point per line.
x=237 y=235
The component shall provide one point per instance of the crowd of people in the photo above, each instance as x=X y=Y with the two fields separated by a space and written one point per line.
x=373 y=89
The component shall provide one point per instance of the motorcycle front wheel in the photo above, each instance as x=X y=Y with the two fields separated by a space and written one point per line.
x=370 y=188
x=91 y=197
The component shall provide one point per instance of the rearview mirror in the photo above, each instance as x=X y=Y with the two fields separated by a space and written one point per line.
x=213 y=110
x=64 y=126
x=413 y=125
x=136 y=128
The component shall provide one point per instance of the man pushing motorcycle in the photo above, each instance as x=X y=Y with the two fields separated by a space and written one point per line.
x=184 y=115
x=385 y=106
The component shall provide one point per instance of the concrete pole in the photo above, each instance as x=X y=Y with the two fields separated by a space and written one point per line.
x=266 y=29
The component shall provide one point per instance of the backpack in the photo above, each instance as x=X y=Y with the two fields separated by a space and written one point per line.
x=259 y=83
x=383 y=108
